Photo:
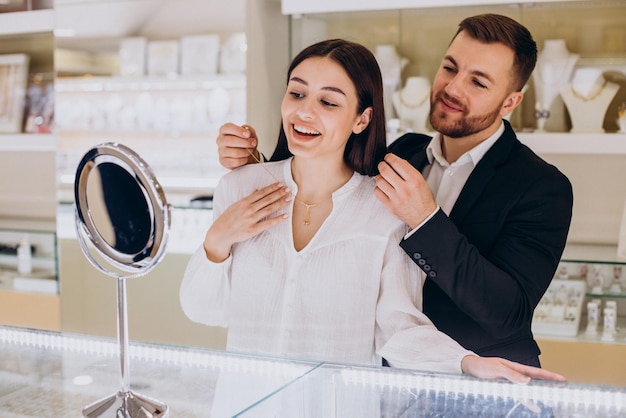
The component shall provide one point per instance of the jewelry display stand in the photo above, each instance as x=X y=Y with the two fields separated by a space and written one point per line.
x=554 y=68
x=559 y=311
x=412 y=104
x=587 y=99
x=391 y=65
x=122 y=218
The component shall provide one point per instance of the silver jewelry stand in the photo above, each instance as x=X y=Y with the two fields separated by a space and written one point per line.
x=122 y=212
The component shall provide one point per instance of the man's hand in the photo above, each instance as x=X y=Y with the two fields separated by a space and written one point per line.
x=245 y=219
x=234 y=145
x=495 y=367
x=404 y=191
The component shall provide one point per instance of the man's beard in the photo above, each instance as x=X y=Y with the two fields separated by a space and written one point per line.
x=466 y=126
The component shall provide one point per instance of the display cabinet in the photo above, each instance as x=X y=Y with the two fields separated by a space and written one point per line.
x=420 y=33
x=350 y=391
x=29 y=284
x=580 y=322
x=586 y=299
x=47 y=374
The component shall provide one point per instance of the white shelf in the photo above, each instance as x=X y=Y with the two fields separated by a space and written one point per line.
x=592 y=253
x=28 y=142
x=326 y=6
x=33 y=21
x=148 y=83
x=575 y=143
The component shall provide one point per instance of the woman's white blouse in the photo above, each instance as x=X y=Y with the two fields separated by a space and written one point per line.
x=351 y=295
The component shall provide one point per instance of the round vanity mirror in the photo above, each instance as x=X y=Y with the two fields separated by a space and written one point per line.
x=121 y=208
x=122 y=217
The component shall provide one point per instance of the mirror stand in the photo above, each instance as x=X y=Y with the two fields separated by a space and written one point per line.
x=125 y=403
x=122 y=212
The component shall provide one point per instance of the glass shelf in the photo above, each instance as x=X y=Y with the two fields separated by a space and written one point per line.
x=592 y=254
x=42 y=274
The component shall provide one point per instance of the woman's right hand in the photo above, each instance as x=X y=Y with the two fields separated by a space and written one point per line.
x=236 y=145
x=245 y=219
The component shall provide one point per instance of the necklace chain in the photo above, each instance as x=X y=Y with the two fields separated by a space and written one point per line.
x=307 y=215
x=308 y=206
x=588 y=98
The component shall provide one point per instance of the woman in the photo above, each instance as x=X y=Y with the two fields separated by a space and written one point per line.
x=308 y=266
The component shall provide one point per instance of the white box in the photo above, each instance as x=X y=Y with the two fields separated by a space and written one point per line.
x=132 y=54
x=199 y=54
x=163 y=58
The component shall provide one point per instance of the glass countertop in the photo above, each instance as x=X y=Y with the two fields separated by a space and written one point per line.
x=50 y=374
x=365 y=392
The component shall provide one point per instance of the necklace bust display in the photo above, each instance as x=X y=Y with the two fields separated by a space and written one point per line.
x=412 y=104
x=587 y=99
x=554 y=68
x=391 y=65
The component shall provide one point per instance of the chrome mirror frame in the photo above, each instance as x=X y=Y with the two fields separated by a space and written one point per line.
x=123 y=263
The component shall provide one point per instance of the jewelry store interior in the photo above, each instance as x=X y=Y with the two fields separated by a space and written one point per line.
x=160 y=77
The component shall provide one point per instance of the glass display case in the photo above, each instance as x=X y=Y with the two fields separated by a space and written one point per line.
x=587 y=298
x=48 y=374
x=29 y=279
x=351 y=391
x=28 y=261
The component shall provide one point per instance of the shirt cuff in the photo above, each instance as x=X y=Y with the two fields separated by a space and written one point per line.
x=412 y=231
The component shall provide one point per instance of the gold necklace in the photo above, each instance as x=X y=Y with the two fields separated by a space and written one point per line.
x=308 y=206
x=590 y=98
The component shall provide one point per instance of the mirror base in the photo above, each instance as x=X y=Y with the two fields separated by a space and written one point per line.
x=126 y=405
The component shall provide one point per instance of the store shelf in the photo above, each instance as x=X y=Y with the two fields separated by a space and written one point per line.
x=575 y=143
x=28 y=142
x=592 y=253
x=149 y=83
x=33 y=21
x=325 y=6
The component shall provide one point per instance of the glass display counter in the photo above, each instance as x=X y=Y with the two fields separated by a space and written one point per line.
x=49 y=374
x=348 y=391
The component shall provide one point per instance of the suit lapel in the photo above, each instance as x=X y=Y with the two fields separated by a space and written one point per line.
x=482 y=174
x=419 y=160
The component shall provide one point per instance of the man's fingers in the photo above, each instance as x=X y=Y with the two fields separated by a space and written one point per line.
x=401 y=167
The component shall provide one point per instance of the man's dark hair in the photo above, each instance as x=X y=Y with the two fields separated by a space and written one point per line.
x=492 y=28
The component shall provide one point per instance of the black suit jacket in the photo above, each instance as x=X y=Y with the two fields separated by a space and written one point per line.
x=489 y=263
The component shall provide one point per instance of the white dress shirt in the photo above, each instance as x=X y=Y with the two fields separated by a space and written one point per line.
x=351 y=295
x=446 y=180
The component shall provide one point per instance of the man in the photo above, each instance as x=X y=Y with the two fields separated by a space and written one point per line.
x=488 y=218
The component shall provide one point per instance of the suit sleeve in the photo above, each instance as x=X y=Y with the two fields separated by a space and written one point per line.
x=499 y=286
